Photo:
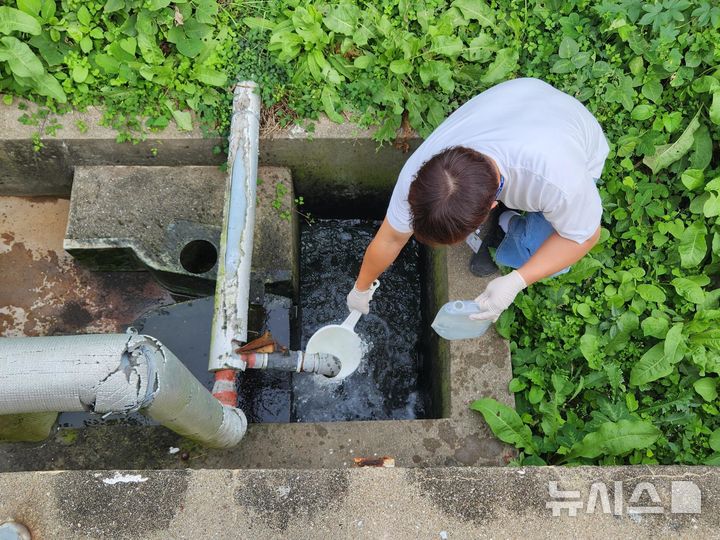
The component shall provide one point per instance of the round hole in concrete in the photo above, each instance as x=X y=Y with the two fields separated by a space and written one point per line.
x=198 y=256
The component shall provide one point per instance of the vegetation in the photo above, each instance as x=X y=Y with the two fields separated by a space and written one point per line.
x=615 y=362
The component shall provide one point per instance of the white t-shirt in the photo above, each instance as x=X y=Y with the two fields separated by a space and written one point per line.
x=547 y=145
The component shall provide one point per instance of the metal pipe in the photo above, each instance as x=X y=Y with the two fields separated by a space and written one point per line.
x=236 y=243
x=297 y=361
x=113 y=373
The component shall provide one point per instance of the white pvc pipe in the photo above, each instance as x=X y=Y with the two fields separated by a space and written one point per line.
x=113 y=373
x=236 y=243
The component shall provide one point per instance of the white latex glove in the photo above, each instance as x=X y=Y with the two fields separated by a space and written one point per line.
x=359 y=300
x=498 y=296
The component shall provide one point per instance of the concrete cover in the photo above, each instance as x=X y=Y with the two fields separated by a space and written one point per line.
x=128 y=218
x=640 y=502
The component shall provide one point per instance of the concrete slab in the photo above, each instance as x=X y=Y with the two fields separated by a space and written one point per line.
x=366 y=503
x=128 y=218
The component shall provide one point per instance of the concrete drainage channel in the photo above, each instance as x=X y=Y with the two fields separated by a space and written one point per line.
x=170 y=188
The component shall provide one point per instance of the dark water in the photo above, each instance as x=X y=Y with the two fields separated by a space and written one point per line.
x=385 y=386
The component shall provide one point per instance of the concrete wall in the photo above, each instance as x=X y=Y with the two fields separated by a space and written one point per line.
x=342 y=157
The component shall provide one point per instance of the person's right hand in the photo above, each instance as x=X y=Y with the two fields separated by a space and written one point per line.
x=359 y=300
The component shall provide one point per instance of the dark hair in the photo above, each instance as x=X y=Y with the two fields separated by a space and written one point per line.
x=451 y=195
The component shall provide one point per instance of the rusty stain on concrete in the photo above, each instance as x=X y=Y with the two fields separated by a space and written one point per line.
x=43 y=291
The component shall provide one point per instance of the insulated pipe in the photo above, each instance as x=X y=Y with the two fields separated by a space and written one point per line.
x=297 y=361
x=236 y=243
x=113 y=373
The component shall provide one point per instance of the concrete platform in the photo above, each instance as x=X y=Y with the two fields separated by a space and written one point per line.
x=150 y=218
x=367 y=503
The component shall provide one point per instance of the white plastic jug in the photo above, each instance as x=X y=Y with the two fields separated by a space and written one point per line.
x=453 y=322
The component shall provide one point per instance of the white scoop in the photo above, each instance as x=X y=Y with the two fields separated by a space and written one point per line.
x=341 y=341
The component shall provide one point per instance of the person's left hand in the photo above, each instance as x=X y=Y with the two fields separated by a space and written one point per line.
x=498 y=296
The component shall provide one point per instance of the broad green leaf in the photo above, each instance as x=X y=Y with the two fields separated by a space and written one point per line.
x=675 y=347
x=107 y=63
x=14 y=20
x=651 y=293
x=689 y=289
x=20 y=58
x=709 y=338
x=31 y=7
x=210 y=76
x=583 y=269
x=112 y=6
x=517 y=385
x=206 y=10
x=401 y=67
x=83 y=16
x=364 y=61
x=568 y=47
x=186 y=45
x=714 y=440
x=440 y=72
x=504 y=64
x=714 y=112
x=670 y=153
x=505 y=423
x=652 y=90
x=655 y=326
x=47 y=85
x=642 y=112
x=626 y=325
x=342 y=19
x=711 y=208
x=480 y=48
x=616 y=438
x=48 y=9
x=447 y=45
x=713 y=460
x=79 y=73
x=477 y=10
x=563 y=65
x=328 y=98
x=707 y=388
x=693 y=178
x=702 y=149
x=600 y=69
x=693 y=245
x=653 y=365
x=535 y=395
x=183 y=119
x=590 y=349
x=154 y=5
x=631 y=402
x=86 y=44
x=259 y=22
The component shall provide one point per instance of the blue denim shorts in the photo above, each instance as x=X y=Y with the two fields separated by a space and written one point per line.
x=525 y=235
